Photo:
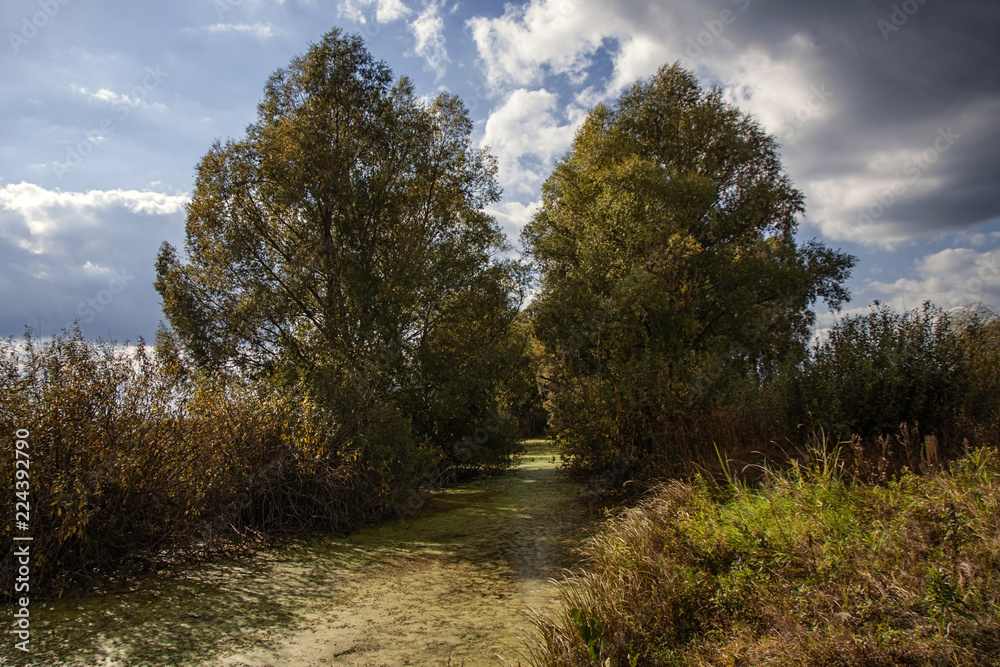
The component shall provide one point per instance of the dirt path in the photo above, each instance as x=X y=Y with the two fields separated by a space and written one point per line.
x=446 y=586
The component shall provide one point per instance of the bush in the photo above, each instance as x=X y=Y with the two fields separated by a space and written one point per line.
x=136 y=460
x=930 y=369
x=980 y=339
x=813 y=569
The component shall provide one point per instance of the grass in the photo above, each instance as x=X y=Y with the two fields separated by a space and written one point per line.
x=811 y=567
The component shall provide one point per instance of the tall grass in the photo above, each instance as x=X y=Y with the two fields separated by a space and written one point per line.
x=134 y=462
x=813 y=567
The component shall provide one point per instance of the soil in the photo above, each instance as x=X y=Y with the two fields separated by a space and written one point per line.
x=454 y=583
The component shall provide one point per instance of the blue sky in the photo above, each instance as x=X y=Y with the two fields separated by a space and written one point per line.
x=886 y=113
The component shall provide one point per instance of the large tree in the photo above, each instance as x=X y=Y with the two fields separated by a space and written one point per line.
x=669 y=265
x=343 y=244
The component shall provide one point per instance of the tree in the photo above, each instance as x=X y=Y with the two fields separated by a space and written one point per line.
x=337 y=243
x=669 y=266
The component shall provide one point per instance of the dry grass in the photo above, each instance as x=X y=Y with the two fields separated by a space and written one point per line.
x=811 y=567
x=130 y=469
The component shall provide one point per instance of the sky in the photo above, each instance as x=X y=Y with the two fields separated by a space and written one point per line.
x=887 y=115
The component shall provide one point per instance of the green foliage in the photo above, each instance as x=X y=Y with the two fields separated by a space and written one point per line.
x=980 y=340
x=905 y=390
x=873 y=372
x=589 y=632
x=520 y=394
x=812 y=568
x=669 y=267
x=343 y=246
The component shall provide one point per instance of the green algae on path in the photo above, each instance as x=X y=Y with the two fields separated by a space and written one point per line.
x=448 y=585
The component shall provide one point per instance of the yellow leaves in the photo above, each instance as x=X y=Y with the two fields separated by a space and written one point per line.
x=683 y=246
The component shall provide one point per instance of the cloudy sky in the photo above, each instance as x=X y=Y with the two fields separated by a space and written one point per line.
x=887 y=114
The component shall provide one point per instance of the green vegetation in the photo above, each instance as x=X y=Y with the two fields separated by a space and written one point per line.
x=670 y=272
x=346 y=335
x=933 y=369
x=673 y=324
x=342 y=248
x=439 y=587
x=342 y=335
x=674 y=313
x=814 y=568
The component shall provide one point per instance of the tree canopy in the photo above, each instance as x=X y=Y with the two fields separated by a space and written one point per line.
x=669 y=265
x=343 y=243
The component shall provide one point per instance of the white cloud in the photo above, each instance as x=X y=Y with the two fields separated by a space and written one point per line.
x=391 y=10
x=353 y=10
x=557 y=36
x=902 y=188
x=428 y=30
x=513 y=216
x=780 y=85
x=106 y=95
x=561 y=37
x=530 y=42
x=638 y=57
x=87 y=255
x=784 y=94
x=860 y=172
x=118 y=99
x=47 y=213
x=526 y=136
x=864 y=206
x=28 y=196
x=386 y=11
x=951 y=278
x=979 y=239
x=259 y=30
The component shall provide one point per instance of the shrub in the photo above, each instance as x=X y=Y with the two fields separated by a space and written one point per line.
x=812 y=569
x=930 y=369
x=136 y=460
x=980 y=339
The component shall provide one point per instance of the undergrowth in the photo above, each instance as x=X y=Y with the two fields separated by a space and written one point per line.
x=132 y=466
x=811 y=566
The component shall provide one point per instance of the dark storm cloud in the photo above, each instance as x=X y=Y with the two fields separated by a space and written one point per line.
x=900 y=71
x=885 y=96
